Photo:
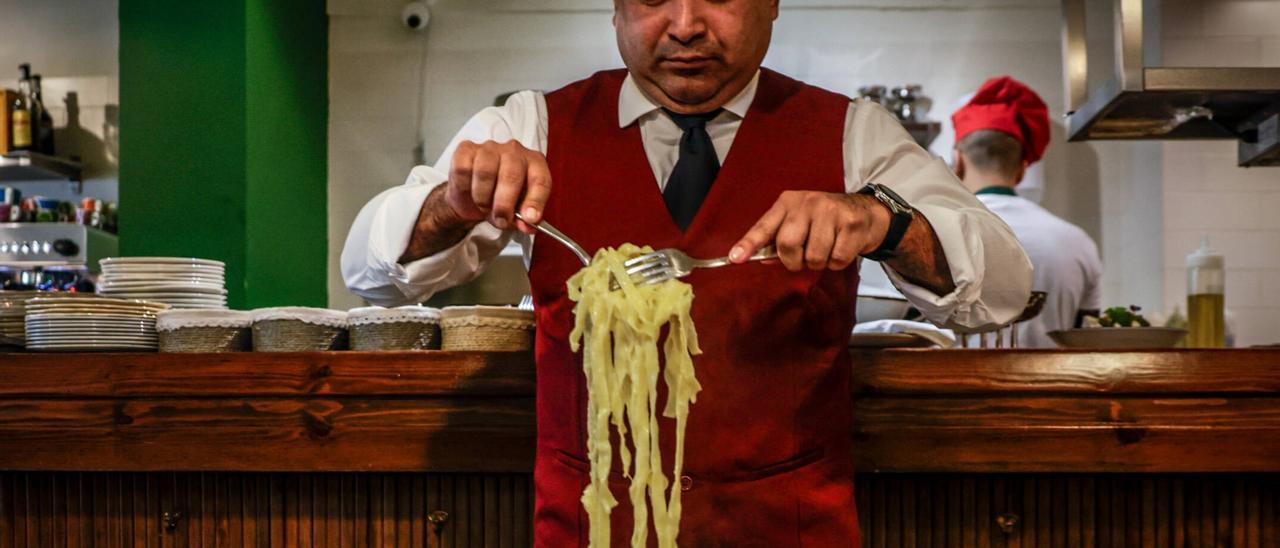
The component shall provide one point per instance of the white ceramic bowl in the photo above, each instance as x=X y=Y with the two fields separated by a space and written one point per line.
x=1119 y=337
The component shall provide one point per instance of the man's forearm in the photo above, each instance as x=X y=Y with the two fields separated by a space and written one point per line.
x=921 y=260
x=438 y=228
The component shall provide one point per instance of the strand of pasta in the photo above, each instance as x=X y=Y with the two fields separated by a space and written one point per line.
x=621 y=330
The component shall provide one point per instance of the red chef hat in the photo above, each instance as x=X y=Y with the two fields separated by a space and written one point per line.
x=1007 y=105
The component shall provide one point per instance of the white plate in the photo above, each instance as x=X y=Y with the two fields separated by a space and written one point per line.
x=173 y=303
x=172 y=294
x=151 y=295
x=134 y=274
x=160 y=260
x=97 y=335
x=143 y=276
x=93 y=313
x=97 y=303
x=118 y=324
x=181 y=304
x=154 y=285
x=59 y=328
x=44 y=335
x=92 y=300
x=68 y=319
x=94 y=324
x=93 y=341
x=150 y=307
x=163 y=269
x=92 y=348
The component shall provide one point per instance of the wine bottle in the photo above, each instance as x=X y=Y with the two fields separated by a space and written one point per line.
x=42 y=121
x=20 y=111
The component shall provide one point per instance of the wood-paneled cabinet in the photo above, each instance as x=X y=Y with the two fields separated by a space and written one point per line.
x=954 y=448
x=1076 y=510
x=48 y=509
x=43 y=509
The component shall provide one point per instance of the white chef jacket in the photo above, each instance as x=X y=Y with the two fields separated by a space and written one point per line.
x=1066 y=263
x=990 y=270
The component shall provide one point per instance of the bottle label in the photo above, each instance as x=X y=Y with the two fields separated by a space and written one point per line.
x=21 y=129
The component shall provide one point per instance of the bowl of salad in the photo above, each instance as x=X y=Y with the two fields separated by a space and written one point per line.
x=1119 y=328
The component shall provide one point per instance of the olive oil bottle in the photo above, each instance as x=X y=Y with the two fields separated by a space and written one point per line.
x=1206 y=286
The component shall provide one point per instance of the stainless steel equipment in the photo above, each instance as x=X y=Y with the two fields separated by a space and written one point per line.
x=52 y=256
x=1144 y=101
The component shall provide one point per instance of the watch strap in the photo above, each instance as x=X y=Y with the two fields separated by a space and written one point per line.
x=900 y=218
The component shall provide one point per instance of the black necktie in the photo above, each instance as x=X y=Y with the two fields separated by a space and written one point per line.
x=691 y=179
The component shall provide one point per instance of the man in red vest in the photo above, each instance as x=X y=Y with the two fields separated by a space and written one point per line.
x=695 y=146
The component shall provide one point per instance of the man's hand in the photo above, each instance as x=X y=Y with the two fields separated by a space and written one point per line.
x=487 y=182
x=817 y=230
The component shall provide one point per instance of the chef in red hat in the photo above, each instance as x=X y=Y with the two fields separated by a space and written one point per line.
x=1001 y=132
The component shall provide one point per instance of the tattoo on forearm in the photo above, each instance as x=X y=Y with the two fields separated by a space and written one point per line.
x=436 y=229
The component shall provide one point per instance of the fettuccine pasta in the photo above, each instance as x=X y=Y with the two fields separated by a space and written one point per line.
x=621 y=331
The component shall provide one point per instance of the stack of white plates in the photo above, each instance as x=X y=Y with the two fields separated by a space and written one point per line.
x=91 y=323
x=13 y=306
x=175 y=281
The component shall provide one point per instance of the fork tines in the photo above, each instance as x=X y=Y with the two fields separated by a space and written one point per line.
x=646 y=258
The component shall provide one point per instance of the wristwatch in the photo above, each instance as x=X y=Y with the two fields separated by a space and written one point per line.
x=901 y=215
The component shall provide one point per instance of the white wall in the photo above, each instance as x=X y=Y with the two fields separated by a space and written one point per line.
x=1205 y=193
x=74 y=45
x=477 y=49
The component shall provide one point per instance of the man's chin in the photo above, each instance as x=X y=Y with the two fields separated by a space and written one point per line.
x=692 y=90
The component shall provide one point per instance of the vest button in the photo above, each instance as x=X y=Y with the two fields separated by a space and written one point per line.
x=686 y=483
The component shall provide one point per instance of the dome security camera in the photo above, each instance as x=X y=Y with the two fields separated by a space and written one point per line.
x=415 y=16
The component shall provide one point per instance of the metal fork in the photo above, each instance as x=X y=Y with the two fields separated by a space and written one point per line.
x=546 y=228
x=671 y=263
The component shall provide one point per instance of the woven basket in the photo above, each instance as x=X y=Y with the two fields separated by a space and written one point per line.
x=297 y=336
x=395 y=336
x=297 y=329
x=204 y=330
x=385 y=329
x=207 y=339
x=486 y=329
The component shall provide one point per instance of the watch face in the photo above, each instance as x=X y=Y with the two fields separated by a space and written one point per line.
x=895 y=202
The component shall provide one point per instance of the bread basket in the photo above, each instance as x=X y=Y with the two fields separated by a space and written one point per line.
x=486 y=329
x=205 y=331
x=299 y=329
x=376 y=329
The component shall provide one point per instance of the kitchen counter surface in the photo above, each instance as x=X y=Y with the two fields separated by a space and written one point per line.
x=919 y=411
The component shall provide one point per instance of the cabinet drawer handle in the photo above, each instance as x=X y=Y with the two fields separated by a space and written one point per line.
x=170 y=520
x=1007 y=522
x=437 y=518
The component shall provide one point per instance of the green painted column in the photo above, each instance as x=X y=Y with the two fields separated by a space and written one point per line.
x=223 y=141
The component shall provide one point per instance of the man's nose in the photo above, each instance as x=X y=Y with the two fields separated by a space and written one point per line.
x=687 y=21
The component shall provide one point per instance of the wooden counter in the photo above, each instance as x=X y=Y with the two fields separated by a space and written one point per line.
x=954 y=448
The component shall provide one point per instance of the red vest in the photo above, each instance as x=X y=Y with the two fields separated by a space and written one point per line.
x=768 y=460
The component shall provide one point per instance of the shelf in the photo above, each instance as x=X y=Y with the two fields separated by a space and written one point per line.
x=923 y=132
x=33 y=166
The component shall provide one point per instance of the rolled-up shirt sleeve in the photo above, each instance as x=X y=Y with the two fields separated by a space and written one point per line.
x=991 y=271
x=370 y=258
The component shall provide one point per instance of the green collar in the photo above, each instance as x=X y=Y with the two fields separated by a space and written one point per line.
x=999 y=190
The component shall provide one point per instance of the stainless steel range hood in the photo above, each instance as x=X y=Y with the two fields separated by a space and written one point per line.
x=1142 y=102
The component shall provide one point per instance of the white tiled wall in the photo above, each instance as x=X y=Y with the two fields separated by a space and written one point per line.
x=73 y=44
x=477 y=49
x=1205 y=193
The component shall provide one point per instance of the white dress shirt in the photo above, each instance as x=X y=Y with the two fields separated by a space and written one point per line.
x=1066 y=263
x=991 y=272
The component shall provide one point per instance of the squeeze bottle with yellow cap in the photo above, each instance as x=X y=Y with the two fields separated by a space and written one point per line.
x=1205 y=289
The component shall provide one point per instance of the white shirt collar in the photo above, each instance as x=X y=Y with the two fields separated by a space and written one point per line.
x=634 y=104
